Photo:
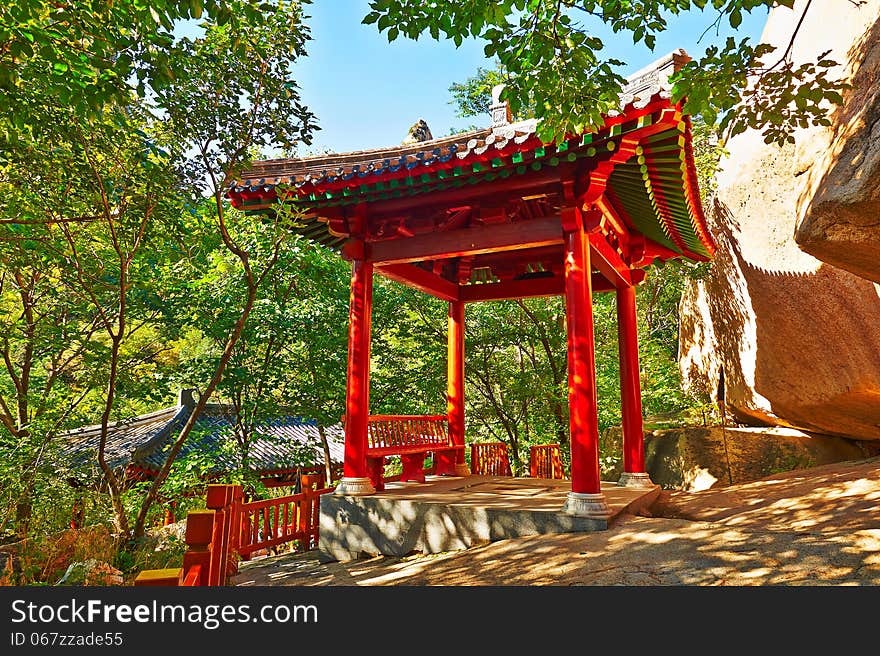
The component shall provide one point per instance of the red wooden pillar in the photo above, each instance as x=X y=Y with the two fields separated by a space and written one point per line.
x=455 y=383
x=355 y=479
x=586 y=498
x=634 y=474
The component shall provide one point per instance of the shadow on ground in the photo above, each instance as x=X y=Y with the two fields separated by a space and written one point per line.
x=819 y=526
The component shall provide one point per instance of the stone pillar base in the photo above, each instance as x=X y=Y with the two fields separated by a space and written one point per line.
x=354 y=487
x=635 y=479
x=586 y=505
x=461 y=469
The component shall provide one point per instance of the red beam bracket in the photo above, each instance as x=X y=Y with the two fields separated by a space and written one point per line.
x=608 y=262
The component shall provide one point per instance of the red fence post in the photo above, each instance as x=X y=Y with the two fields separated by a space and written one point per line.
x=199 y=534
x=305 y=513
x=237 y=496
x=219 y=499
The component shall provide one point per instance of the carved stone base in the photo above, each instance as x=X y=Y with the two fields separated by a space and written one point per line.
x=586 y=505
x=354 y=487
x=461 y=469
x=635 y=479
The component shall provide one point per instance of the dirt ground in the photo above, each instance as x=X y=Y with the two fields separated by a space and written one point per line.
x=818 y=526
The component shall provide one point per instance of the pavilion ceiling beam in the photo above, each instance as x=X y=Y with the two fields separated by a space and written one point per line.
x=468 y=241
x=608 y=262
x=528 y=288
x=418 y=278
x=513 y=289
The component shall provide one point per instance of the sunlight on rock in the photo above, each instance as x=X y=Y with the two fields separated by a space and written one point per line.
x=698 y=479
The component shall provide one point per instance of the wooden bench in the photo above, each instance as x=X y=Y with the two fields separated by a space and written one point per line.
x=412 y=437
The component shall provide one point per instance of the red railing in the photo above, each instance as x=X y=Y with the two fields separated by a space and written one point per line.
x=490 y=459
x=231 y=528
x=545 y=461
x=271 y=522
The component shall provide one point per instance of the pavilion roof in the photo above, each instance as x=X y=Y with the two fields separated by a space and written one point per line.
x=655 y=189
x=280 y=444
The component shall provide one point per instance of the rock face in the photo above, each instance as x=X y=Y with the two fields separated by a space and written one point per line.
x=778 y=336
x=694 y=459
x=839 y=211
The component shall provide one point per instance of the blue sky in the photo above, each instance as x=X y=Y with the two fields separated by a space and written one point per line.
x=367 y=92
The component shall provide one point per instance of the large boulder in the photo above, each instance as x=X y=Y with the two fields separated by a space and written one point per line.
x=698 y=458
x=839 y=209
x=774 y=334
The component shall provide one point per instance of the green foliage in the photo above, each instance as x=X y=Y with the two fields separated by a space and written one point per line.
x=473 y=96
x=104 y=232
x=556 y=66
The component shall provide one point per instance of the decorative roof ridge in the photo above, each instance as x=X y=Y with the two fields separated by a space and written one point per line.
x=651 y=80
x=163 y=434
x=225 y=410
x=128 y=422
x=330 y=160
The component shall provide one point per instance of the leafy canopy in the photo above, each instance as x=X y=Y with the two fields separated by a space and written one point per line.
x=555 y=62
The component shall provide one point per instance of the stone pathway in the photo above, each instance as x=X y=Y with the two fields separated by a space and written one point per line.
x=810 y=527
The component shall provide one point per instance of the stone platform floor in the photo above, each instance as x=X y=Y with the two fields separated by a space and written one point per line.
x=447 y=513
x=505 y=492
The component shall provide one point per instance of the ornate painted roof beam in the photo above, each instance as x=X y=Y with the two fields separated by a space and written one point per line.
x=543 y=182
x=491 y=238
x=550 y=286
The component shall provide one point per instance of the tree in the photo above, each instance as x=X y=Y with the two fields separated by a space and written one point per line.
x=107 y=202
x=223 y=118
x=551 y=54
x=84 y=56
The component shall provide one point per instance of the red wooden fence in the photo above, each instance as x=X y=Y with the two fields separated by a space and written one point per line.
x=271 y=522
x=490 y=459
x=545 y=462
x=230 y=528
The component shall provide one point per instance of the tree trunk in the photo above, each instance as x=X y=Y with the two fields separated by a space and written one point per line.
x=328 y=465
x=153 y=492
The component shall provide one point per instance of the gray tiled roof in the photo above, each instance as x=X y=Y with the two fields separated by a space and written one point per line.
x=282 y=443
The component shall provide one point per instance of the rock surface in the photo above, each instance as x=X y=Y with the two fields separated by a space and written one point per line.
x=695 y=459
x=840 y=208
x=777 y=335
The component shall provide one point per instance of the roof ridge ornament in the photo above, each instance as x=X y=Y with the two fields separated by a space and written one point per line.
x=418 y=133
x=499 y=109
x=651 y=80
